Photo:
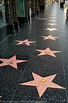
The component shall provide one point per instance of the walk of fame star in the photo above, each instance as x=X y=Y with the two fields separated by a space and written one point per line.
x=41 y=18
x=51 y=29
x=26 y=42
x=42 y=83
x=49 y=37
x=47 y=51
x=11 y=62
x=51 y=24
x=52 y=20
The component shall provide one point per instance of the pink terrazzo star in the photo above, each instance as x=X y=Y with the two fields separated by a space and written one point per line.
x=11 y=62
x=42 y=83
x=49 y=37
x=26 y=42
x=41 y=18
x=52 y=20
x=51 y=24
x=51 y=29
x=47 y=51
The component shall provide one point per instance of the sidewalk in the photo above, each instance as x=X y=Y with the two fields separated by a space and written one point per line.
x=34 y=62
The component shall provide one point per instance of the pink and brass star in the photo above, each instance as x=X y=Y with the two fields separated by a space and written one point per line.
x=26 y=42
x=49 y=37
x=42 y=83
x=52 y=20
x=47 y=51
x=51 y=29
x=11 y=62
x=41 y=18
x=51 y=24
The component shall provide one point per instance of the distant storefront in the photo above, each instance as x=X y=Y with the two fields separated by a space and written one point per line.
x=2 y=11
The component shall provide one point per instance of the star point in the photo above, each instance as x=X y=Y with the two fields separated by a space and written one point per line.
x=49 y=37
x=47 y=51
x=11 y=62
x=26 y=42
x=42 y=83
